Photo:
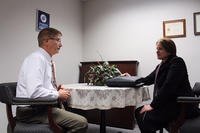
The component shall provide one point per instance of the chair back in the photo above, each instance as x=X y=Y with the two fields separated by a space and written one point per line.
x=7 y=92
x=8 y=96
x=196 y=88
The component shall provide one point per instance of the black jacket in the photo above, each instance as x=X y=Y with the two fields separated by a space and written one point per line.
x=172 y=81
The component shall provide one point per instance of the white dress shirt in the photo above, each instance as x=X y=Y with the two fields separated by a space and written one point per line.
x=35 y=77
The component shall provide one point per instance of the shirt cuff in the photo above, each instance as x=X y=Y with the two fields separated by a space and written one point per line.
x=55 y=94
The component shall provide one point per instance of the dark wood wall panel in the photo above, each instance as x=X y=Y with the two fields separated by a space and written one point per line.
x=124 y=66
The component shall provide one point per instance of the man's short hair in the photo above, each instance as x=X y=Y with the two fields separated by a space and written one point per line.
x=46 y=34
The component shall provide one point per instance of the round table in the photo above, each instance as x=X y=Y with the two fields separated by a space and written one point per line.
x=88 y=97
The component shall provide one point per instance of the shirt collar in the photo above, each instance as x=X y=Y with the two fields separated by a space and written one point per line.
x=46 y=55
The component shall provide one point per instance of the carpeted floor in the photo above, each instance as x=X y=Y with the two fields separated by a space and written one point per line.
x=93 y=128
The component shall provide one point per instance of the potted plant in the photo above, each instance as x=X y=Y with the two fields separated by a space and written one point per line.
x=98 y=74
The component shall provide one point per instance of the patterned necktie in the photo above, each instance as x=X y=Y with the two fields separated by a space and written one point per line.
x=54 y=82
x=53 y=75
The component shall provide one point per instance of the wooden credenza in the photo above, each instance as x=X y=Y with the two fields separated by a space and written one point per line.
x=116 y=117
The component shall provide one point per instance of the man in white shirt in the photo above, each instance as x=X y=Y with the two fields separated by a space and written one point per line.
x=37 y=79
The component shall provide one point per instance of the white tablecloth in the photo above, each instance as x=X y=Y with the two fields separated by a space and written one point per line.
x=87 y=97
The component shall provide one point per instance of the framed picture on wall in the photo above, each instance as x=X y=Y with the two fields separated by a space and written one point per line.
x=196 y=23
x=43 y=20
x=174 y=28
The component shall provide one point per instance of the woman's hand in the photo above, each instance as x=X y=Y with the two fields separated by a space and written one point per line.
x=146 y=108
x=125 y=74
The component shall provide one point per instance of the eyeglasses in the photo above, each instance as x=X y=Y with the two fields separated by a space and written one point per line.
x=57 y=39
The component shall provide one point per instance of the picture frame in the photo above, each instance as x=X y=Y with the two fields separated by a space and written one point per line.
x=42 y=20
x=174 y=28
x=196 y=17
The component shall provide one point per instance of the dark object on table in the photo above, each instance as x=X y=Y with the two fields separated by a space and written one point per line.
x=124 y=81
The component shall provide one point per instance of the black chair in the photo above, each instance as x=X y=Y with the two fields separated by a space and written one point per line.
x=191 y=125
x=8 y=96
x=181 y=124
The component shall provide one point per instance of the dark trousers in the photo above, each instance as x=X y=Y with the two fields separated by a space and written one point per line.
x=151 y=121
